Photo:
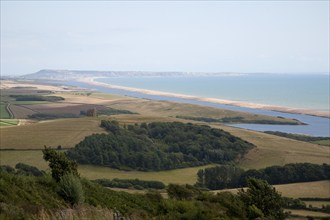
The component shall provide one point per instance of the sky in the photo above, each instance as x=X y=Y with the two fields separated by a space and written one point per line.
x=188 y=36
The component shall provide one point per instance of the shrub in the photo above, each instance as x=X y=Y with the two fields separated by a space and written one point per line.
x=7 y=169
x=28 y=170
x=70 y=189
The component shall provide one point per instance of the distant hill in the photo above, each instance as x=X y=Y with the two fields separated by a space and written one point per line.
x=74 y=74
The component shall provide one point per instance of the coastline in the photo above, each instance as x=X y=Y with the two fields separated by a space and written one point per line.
x=92 y=81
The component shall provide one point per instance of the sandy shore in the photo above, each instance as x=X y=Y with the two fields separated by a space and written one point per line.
x=92 y=81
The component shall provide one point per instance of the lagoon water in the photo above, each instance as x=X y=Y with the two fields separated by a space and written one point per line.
x=317 y=126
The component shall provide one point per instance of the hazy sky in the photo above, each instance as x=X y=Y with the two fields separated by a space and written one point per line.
x=221 y=36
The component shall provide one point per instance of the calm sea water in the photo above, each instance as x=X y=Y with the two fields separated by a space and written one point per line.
x=309 y=91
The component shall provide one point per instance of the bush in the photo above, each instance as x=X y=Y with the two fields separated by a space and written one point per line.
x=7 y=169
x=28 y=170
x=70 y=189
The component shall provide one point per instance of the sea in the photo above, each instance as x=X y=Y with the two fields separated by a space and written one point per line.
x=308 y=91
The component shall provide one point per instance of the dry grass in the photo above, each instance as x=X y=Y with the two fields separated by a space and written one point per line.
x=64 y=132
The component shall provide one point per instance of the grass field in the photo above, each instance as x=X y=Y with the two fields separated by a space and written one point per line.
x=3 y=111
x=64 y=132
x=322 y=142
x=179 y=176
x=274 y=150
x=34 y=158
x=31 y=157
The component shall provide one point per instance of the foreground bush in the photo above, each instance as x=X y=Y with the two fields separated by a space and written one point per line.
x=70 y=189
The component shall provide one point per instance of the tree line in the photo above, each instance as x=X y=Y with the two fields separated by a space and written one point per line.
x=158 y=146
x=229 y=176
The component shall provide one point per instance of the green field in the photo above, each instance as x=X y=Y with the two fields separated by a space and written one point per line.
x=3 y=111
x=8 y=122
x=322 y=142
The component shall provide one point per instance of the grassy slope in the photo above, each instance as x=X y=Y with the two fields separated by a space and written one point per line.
x=322 y=142
x=274 y=150
x=64 y=132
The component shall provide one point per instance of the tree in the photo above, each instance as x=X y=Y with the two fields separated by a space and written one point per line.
x=59 y=163
x=262 y=200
